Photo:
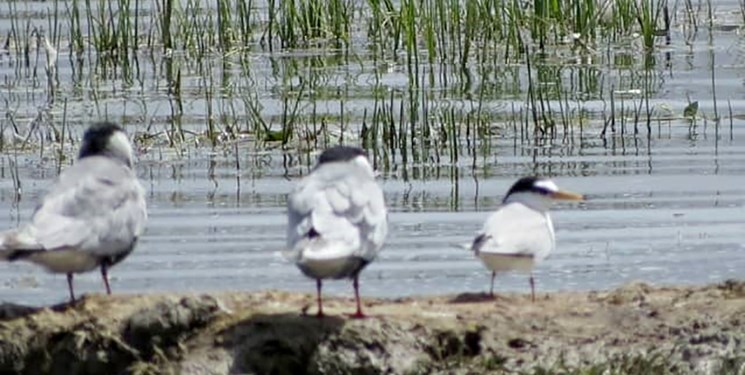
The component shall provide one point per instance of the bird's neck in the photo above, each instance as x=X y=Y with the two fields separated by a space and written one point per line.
x=535 y=201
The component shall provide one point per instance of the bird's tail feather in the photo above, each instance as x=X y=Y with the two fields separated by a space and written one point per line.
x=14 y=246
x=16 y=254
x=319 y=248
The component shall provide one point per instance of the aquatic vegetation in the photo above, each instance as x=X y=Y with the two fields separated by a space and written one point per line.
x=419 y=79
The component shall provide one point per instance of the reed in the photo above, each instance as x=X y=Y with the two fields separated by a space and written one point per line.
x=75 y=28
x=458 y=58
x=165 y=12
x=649 y=16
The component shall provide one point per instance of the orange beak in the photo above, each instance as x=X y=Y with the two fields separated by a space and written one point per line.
x=567 y=196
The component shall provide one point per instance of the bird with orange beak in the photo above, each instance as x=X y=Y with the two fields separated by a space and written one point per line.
x=520 y=233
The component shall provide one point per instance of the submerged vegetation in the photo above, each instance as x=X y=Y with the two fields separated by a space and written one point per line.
x=411 y=79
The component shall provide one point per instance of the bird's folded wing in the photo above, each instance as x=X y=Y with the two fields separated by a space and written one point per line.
x=343 y=213
x=514 y=230
x=101 y=213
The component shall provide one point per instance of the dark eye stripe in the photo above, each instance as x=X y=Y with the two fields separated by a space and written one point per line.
x=541 y=190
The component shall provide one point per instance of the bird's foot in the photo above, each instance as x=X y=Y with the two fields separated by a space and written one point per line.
x=304 y=310
x=357 y=315
x=69 y=304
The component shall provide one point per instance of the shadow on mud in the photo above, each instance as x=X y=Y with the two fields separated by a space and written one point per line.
x=278 y=343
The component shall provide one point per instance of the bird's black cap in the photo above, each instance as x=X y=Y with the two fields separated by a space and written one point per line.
x=340 y=153
x=96 y=138
x=527 y=184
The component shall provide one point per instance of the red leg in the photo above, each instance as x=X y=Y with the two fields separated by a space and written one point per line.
x=105 y=276
x=318 y=296
x=69 y=287
x=491 y=290
x=532 y=288
x=356 y=284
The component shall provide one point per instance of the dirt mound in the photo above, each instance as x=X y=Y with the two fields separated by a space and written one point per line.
x=634 y=329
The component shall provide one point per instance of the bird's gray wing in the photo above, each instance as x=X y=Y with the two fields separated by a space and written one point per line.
x=96 y=206
x=515 y=229
x=336 y=211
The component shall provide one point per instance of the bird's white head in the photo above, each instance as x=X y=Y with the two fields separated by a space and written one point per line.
x=107 y=139
x=354 y=155
x=538 y=193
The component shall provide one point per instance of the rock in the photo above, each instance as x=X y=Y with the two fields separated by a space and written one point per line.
x=164 y=325
x=10 y=311
x=85 y=348
x=282 y=343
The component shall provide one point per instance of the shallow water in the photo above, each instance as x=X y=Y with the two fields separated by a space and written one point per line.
x=674 y=216
x=665 y=207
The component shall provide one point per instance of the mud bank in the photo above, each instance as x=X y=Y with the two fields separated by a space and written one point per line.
x=634 y=329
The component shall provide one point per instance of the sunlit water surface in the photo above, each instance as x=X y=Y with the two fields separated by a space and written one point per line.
x=664 y=207
x=672 y=215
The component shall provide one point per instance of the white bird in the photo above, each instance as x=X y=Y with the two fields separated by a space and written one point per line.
x=337 y=219
x=520 y=233
x=91 y=217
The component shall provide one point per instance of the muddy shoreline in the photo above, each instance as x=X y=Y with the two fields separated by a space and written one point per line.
x=637 y=327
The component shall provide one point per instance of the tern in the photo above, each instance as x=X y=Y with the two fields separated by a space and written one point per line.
x=520 y=233
x=337 y=220
x=91 y=217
